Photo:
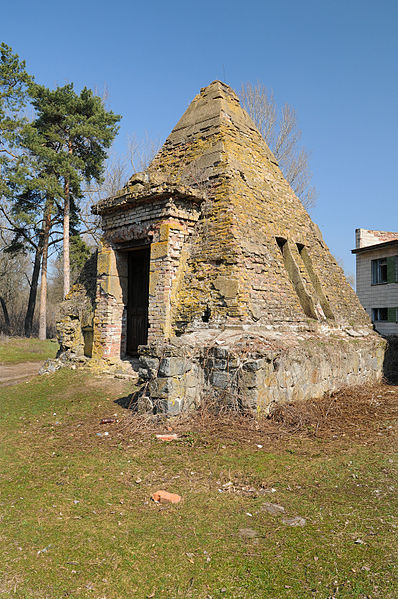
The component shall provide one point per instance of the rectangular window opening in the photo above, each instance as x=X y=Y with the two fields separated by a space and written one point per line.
x=379 y=314
x=379 y=272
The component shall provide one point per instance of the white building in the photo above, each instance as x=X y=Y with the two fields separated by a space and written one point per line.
x=377 y=277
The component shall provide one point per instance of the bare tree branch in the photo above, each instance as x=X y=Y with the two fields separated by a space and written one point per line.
x=142 y=151
x=280 y=131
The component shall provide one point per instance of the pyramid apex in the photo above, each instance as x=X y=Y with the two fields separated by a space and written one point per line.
x=224 y=90
x=215 y=103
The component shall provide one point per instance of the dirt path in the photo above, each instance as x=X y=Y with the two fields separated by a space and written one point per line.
x=10 y=374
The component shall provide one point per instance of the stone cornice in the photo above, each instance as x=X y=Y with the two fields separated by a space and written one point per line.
x=142 y=188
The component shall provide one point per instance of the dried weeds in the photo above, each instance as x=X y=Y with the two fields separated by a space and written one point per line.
x=353 y=412
x=360 y=412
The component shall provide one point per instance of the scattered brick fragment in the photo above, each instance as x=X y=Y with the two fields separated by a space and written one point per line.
x=168 y=437
x=164 y=496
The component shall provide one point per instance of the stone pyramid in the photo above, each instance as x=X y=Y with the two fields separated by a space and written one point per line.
x=256 y=256
x=213 y=274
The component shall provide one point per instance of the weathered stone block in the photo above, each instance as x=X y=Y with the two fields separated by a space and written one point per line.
x=171 y=407
x=166 y=387
x=220 y=352
x=104 y=262
x=192 y=379
x=220 y=364
x=174 y=366
x=149 y=363
x=158 y=388
x=110 y=284
x=145 y=374
x=192 y=396
x=164 y=231
x=248 y=380
x=250 y=400
x=233 y=362
x=221 y=380
x=254 y=365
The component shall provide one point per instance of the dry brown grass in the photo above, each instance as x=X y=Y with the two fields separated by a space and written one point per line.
x=360 y=413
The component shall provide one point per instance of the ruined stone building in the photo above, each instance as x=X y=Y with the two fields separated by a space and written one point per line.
x=212 y=272
x=376 y=255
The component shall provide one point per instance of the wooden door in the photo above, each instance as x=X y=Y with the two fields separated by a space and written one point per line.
x=137 y=299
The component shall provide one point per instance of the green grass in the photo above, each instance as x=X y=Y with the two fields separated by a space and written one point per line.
x=74 y=523
x=16 y=350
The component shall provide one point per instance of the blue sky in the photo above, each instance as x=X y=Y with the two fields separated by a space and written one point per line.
x=335 y=62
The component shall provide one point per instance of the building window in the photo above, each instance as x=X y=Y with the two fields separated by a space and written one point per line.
x=385 y=314
x=379 y=313
x=385 y=270
x=379 y=273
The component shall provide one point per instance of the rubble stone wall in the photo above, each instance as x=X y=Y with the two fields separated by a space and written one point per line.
x=177 y=378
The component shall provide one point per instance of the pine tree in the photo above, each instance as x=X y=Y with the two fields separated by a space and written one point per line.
x=80 y=252
x=44 y=163
x=15 y=84
x=78 y=130
x=15 y=161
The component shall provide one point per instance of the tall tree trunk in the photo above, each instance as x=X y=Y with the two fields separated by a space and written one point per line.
x=43 y=288
x=33 y=289
x=6 y=317
x=66 y=239
x=66 y=229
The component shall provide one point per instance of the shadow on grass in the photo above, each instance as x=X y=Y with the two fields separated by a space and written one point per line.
x=129 y=402
x=125 y=402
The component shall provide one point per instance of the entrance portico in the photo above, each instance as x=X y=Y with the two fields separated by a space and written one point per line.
x=145 y=229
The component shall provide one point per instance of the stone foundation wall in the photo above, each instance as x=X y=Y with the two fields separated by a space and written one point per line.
x=173 y=379
x=177 y=378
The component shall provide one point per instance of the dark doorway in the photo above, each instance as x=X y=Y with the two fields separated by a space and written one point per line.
x=137 y=299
